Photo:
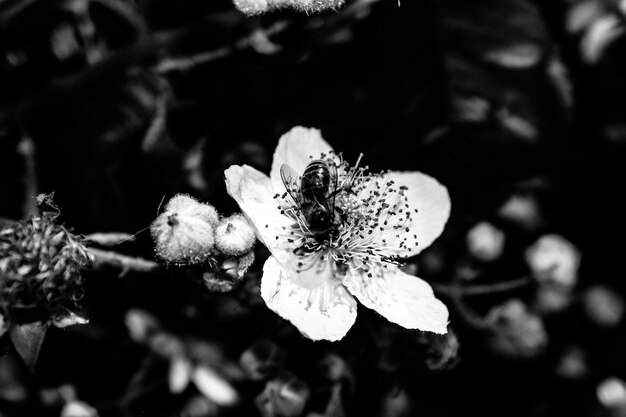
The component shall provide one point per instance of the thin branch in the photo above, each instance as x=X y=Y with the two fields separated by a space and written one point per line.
x=485 y=289
x=110 y=239
x=188 y=62
x=102 y=258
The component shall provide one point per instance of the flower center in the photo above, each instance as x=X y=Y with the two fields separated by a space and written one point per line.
x=359 y=221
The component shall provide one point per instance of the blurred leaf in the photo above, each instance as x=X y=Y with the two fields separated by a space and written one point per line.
x=516 y=56
x=488 y=45
x=214 y=387
x=179 y=375
x=27 y=340
x=601 y=33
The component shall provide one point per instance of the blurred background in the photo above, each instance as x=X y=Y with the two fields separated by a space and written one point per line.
x=517 y=106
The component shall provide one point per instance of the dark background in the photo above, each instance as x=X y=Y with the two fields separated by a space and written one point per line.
x=117 y=104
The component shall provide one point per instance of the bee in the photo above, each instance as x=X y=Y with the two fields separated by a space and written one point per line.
x=314 y=194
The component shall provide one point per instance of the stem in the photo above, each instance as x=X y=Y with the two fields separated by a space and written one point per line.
x=186 y=63
x=102 y=258
x=485 y=289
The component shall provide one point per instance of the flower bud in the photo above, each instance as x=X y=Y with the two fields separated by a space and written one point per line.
x=183 y=233
x=333 y=367
x=573 y=364
x=262 y=359
x=443 y=352
x=554 y=259
x=485 y=242
x=603 y=306
x=522 y=210
x=611 y=393
x=284 y=396
x=552 y=298
x=189 y=206
x=517 y=332
x=234 y=235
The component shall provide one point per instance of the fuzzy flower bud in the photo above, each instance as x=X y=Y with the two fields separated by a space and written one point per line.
x=183 y=233
x=611 y=393
x=40 y=270
x=262 y=359
x=554 y=259
x=603 y=306
x=517 y=332
x=284 y=396
x=485 y=242
x=234 y=235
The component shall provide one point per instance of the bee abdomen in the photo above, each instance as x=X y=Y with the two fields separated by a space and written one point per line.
x=315 y=180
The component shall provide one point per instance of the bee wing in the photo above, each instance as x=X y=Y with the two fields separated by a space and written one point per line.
x=291 y=181
x=332 y=170
x=332 y=186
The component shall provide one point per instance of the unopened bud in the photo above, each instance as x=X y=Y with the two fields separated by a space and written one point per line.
x=552 y=258
x=262 y=359
x=284 y=396
x=485 y=242
x=443 y=352
x=551 y=298
x=612 y=393
x=234 y=235
x=184 y=233
x=573 y=364
x=603 y=306
x=333 y=367
x=517 y=332
x=185 y=204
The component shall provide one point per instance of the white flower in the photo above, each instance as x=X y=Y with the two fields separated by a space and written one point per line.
x=311 y=278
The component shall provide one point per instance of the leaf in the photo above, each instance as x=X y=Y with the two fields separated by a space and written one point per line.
x=214 y=387
x=179 y=376
x=69 y=319
x=27 y=340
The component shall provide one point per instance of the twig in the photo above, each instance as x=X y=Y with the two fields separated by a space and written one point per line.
x=185 y=63
x=485 y=289
x=110 y=239
x=102 y=258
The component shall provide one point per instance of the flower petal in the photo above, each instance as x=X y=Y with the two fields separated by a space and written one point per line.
x=254 y=193
x=297 y=148
x=401 y=298
x=431 y=200
x=312 y=300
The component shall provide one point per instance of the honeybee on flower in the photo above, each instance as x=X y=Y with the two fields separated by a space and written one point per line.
x=336 y=232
